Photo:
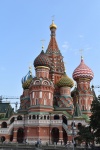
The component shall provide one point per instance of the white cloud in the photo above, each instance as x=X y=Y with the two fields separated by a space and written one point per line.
x=88 y=48
x=66 y=45
x=81 y=36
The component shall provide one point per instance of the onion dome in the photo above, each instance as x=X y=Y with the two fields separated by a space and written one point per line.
x=42 y=60
x=82 y=71
x=53 y=25
x=27 y=80
x=65 y=81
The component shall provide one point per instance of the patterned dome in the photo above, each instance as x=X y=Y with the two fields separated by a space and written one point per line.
x=27 y=80
x=42 y=60
x=65 y=81
x=82 y=71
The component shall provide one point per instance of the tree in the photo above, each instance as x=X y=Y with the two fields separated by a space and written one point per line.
x=85 y=134
x=95 y=119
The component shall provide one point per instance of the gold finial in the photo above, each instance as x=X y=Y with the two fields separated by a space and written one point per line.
x=53 y=25
x=42 y=44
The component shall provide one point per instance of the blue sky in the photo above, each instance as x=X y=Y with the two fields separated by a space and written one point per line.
x=23 y=23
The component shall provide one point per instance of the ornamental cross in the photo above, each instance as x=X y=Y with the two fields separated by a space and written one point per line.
x=81 y=51
x=53 y=17
x=42 y=43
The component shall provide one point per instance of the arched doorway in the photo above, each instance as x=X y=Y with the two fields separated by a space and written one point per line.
x=20 y=135
x=65 y=137
x=2 y=139
x=55 y=135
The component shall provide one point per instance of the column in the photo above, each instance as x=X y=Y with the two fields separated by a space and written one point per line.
x=60 y=135
x=8 y=138
x=15 y=135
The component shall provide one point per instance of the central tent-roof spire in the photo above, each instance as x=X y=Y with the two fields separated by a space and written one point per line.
x=53 y=46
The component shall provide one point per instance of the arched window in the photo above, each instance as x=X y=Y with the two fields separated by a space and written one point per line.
x=79 y=125
x=29 y=116
x=4 y=125
x=19 y=118
x=56 y=117
x=37 y=102
x=34 y=117
x=48 y=117
x=37 y=116
x=44 y=117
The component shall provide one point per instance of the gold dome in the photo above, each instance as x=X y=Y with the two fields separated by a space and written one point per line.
x=53 y=25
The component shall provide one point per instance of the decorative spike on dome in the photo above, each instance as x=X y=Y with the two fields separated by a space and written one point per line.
x=82 y=71
x=65 y=81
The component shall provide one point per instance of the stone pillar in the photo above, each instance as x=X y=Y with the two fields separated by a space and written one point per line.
x=8 y=138
x=15 y=135
x=70 y=138
x=60 y=135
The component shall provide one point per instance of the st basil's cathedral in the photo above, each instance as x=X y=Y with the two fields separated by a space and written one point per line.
x=48 y=106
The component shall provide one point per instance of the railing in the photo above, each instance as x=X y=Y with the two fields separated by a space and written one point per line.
x=36 y=121
x=65 y=127
x=3 y=130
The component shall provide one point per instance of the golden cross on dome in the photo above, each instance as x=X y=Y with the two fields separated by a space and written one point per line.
x=42 y=44
x=30 y=68
x=53 y=17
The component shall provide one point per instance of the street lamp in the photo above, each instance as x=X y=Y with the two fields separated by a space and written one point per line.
x=73 y=133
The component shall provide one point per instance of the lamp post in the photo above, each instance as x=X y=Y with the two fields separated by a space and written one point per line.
x=73 y=131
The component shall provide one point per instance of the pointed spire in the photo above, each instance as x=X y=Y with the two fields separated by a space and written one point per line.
x=77 y=110
x=53 y=46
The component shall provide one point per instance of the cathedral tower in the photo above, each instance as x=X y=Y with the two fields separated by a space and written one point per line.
x=83 y=76
x=56 y=58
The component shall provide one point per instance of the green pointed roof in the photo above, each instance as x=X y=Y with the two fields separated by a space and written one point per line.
x=65 y=81
x=77 y=111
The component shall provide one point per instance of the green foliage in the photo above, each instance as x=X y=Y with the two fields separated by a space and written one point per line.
x=95 y=119
x=85 y=134
x=1 y=116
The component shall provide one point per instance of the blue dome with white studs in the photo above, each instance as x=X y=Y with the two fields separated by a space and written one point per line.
x=27 y=80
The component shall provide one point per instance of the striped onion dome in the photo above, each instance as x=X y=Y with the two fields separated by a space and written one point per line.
x=27 y=80
x=83 y=71
x=42 y=60
x=65 y=81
